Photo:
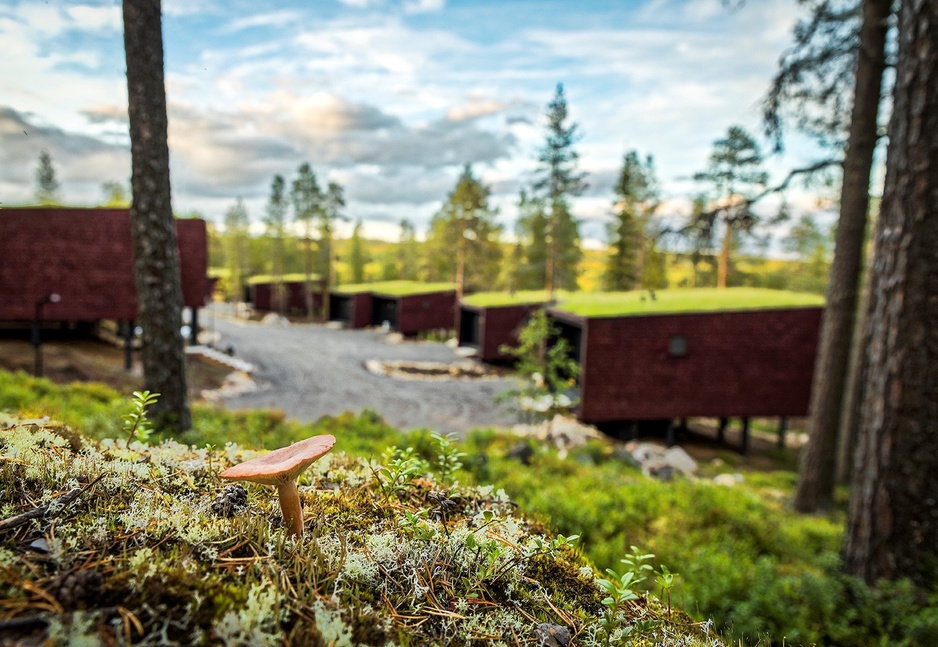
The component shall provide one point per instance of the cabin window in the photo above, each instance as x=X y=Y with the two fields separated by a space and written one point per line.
x=677 y=346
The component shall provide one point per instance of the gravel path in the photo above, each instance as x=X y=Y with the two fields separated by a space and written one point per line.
x=310 y=371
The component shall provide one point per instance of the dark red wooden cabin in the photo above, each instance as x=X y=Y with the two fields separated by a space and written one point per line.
x=264 y=299
x=351 y=308
x=414 y=313
x=488 y=328
x=86 y=257
x=716 y=364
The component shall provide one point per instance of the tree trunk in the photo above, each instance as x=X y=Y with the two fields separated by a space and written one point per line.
x=550 y=269
x=892 y=529
x=723 y=266
x=819 y=456
x=156 y=252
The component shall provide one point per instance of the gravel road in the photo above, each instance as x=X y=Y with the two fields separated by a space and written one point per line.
x=309 y=371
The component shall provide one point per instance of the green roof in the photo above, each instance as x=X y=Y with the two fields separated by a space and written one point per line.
x=395 y=288
x=520 y=298
x=296 y=277
x=639 y=302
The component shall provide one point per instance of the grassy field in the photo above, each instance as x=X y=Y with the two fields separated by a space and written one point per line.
x=608 y=304
x=395 y=288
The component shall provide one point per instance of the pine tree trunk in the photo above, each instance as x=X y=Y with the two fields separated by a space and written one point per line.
x=892 y=529
x=819 y=456
x=550 y=269
x=156 y=252
x=723 y=266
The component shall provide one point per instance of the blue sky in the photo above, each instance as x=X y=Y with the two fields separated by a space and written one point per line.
x=388 y=97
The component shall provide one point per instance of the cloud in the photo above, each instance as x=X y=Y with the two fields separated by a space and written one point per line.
x=269 y=19
x=476 y=107
x=423 y=6
x=82 y=162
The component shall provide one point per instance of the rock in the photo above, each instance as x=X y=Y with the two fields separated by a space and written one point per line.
x=622 y=454
x=728 y=480
x=661 y=471
x=231 y=500
x=523 y=452
x=646 y=453
x=274 y=319
x=549 y=635
x=680 y=460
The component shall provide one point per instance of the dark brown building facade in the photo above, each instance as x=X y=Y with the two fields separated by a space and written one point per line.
x=86 y=257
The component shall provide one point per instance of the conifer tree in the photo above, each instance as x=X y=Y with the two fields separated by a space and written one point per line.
x=156 y=252
x=237 y=222
x=531 y=229
x=558 y=182
x=330 y=212
x=463 y=242
x=735 y=175
x=357 y=256
x=307 y=203
x=630 y=237
x=47 y=186
x=408 y=252
x=276 y=221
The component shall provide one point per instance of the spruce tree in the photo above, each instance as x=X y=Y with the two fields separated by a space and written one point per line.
x=307 y=198
x=559 y=181
x=463 y=243
x=276 y=221
x=630 y=237
x=47 y=186
x=357 y=256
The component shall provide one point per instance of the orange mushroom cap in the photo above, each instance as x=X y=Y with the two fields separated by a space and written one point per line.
x=281 y=465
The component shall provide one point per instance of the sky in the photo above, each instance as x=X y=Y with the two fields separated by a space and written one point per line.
x=389 y=98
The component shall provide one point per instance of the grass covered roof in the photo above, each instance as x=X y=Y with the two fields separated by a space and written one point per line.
x=395 y=288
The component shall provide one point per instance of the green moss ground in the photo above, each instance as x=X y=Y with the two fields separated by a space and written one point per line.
x=143 y=553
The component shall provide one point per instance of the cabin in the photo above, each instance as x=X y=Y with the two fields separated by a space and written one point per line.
x=408 y=307
x=264 y=296
x=488 y=321
x=734 y=353
x=85 y=256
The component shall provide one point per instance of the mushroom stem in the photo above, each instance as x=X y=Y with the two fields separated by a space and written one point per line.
x=291 y=508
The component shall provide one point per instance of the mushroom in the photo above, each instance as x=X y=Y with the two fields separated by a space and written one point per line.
x=281 y=467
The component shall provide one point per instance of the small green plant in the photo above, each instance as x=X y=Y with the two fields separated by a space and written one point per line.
x=620 y=589
x=402 y=467
x=136 y=423
x=547 y=373
x=665 y=580
x=448 y=458
x=416 y=524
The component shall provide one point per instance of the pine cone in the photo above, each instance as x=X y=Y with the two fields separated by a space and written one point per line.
x=230 y=500
x=76 y=590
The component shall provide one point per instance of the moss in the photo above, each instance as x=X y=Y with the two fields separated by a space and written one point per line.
x=375 y=568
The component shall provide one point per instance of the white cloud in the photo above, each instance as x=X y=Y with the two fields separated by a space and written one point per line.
x=96 y=18
x=269 y=19
x=423 y=6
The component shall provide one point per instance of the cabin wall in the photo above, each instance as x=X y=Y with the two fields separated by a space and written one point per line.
x=263 y=296
x=499 y=327
x=422 y=312
x=86 y=256
x=737 y=364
